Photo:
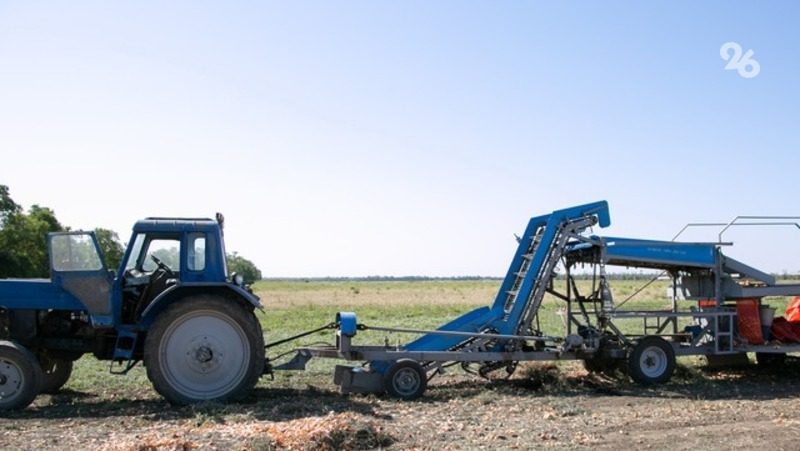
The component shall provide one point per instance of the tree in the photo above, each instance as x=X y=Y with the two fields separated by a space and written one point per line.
x=7 y=205
x=112 y=248
x=23 y=239
x=240 y=265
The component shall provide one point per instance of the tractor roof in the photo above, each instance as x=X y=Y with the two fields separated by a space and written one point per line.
x=176 y=225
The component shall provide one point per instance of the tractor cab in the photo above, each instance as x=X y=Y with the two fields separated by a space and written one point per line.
x=164 y=253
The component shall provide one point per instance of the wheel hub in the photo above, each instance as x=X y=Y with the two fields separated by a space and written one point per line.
x=406 y=381
x=10 y=380
x=204 y=354
x=653 y=362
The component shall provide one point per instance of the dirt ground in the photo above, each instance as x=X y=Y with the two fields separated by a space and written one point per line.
x=542 y=407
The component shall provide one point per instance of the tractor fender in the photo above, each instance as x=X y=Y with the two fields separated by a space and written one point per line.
x=177 y=292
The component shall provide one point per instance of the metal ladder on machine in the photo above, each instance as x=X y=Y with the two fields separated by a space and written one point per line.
x=520 y=293
x=527 y=258
x=525 y=284
x=522 y=302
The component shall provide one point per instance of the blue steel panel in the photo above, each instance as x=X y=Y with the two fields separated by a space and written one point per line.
x=175 y=225
x=595 y=208
x=660 y=252
x=36 y=294
x=473 y=321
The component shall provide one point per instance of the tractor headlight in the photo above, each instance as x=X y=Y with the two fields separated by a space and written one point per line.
x=238 y=279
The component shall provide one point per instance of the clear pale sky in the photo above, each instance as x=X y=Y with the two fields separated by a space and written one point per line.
x=402 y=138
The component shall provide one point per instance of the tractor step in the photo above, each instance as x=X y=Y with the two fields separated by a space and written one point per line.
x=122 y=360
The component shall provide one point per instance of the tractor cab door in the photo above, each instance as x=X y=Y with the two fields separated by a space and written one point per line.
x=76 y=265
x=152 y=266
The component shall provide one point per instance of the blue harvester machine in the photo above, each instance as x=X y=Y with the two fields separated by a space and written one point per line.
x=498 y=337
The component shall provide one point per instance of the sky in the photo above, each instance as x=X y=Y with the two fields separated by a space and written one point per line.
x=355 y=138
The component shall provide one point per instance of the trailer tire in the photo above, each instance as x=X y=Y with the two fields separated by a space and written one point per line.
x=55 y=373
x=204 y=348
x=651 y=361
x=405 y=379
x=20 y=376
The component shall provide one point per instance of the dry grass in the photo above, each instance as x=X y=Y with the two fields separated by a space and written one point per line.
x=334 y=431
x=281 y=294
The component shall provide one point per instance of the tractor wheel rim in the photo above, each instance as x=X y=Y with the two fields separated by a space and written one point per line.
x=653 y=362
x=406 y=381
x=11 y=381
x=204 y=354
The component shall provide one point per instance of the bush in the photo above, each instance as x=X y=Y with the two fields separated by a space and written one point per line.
x=240 y=265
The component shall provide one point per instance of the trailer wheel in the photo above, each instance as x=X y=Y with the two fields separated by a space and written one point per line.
x=770 y=359
x=20 y=376
x=652 y=361
x=55 y=372
x=405 y=379
x=204 y=348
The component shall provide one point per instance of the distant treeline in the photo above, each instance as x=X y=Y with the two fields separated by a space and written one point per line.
x=620 y=276
x=587 y=276
x=378 y=278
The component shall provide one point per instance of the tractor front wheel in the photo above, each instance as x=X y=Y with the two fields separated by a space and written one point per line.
x=204 y=348
x=20 y=376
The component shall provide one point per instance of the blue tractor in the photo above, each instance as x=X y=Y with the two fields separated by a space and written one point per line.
x=171 y=304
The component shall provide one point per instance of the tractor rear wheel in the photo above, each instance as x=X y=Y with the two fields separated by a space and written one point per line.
x=204 y=348
x=20 y=376
x=55 y=372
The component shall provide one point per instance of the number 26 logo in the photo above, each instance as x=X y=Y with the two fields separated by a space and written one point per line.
x=745 y=65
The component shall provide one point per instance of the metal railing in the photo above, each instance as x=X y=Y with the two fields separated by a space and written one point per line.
x=756 y=221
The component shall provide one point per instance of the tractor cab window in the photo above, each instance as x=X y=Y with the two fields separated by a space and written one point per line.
x=136 y=250
x=148 y=254
x=164 y=250
x=74 y=252
x=196 y=255
x=153 y=266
